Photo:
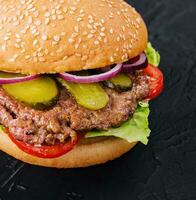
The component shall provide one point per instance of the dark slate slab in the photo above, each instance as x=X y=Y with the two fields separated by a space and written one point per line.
x=166 y=168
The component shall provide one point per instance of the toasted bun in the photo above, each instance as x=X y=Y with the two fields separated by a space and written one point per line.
x=88 y=152
x=40 y=36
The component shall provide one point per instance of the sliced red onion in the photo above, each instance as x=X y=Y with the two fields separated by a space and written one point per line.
x=93 y=78
x=18 y=79
x=141 y=63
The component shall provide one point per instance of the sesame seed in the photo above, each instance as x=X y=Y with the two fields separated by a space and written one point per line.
x=89 y=35
x=36 y=14
x=71 y=40
x=22 y=1
x=42 y=59
x=40 y=54
x=103 y=21
x=79 y=19
x=111 y=31
x=93 y=31
x=3 y=47
x=47 y=20
x=35 y=54
x=29 y=6
x=96 y=42
x=84 y=46
x=54 y=43
x=73 y=8
x=14 y=18
x=58 y=12
x=14 y=58
x=6 y=38
x=102 y=34
x=89 y=26
x=38 y=22
x=16 y=23
x=18 y=40
x=22 y=51
x=85 y=33
x=99 y=38
x=44 y=37
x=103 y=29
x=35 y=42
x=56 y=38
x=46 y=51
x=27 y=57
x=17 y=46
x=90 y=21
x=79 y=40
x=65 y=57
x=30 y=19
x=47 y=14
x=60 y=17
x=64 y=9
x=54 y=17
x=76 y=28
x=73 y=35
x=76 y=46
x=81 y=11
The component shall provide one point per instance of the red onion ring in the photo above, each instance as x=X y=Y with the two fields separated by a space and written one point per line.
x=18 y=79
x=93 y=78
x=141 y=63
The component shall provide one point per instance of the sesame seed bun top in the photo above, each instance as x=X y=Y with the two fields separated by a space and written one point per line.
x=38 y=36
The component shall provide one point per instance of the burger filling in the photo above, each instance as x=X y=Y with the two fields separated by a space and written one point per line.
x=67 y=117
x=63 y=110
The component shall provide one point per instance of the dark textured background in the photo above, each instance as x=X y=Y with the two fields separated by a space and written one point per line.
x=166 y=168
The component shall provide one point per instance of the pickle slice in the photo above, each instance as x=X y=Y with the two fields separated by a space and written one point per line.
x=38 y=93
x=121 y=82
x=91 y=96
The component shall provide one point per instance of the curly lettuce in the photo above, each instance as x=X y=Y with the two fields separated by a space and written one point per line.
x=133 y=130
x=153 y=56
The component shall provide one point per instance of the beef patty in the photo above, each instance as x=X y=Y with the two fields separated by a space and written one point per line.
x=64 y=119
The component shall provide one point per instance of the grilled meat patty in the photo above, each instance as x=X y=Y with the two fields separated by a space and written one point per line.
x=64 y=119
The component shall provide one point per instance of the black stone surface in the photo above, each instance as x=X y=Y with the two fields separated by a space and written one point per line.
x=163 y=170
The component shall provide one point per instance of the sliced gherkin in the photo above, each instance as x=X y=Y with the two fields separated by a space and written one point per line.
x=38 y=93
x=91 y=96
x=121 y=82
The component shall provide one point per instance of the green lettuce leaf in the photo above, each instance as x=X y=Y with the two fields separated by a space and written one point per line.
x=2 y=128
x=152 y=55
x=133 y=130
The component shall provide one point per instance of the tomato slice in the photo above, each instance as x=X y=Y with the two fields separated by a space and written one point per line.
x=44 y=151
x=156 y=81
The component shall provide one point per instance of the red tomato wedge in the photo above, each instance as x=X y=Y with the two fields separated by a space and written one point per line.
x=156 y=81
x=44 y=151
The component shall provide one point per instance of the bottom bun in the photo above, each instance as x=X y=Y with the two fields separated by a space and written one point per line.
x=87 y=153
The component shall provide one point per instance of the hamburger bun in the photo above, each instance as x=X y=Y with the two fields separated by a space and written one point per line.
x=58 y=36
x=87 y=153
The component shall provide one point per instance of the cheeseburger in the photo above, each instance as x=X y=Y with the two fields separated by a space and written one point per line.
x=76 y=77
